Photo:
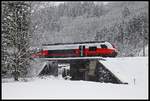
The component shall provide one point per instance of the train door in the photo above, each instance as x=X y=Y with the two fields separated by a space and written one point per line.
x=82 y=50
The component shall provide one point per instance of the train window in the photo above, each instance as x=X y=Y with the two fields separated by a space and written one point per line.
x=103 y=46
x=71 y=51
x=93 y=48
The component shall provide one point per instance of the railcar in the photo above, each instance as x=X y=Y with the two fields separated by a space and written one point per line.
x=79 y=49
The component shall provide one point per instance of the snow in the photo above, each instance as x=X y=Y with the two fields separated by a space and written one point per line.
x=128 y=68
x=134 y=69
x=37 y=66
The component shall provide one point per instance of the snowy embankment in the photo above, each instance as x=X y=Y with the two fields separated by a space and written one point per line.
x=128 y=69
x=133 y=69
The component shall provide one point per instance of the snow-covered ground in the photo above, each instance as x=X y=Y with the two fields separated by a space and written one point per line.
x=133 y=70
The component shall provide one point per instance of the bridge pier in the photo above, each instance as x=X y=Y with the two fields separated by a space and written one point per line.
x=84 y=69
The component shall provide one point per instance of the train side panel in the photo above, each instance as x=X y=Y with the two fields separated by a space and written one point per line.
x=94 y=49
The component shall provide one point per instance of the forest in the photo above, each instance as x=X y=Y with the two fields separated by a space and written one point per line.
x=125 y=24
x=25 y=25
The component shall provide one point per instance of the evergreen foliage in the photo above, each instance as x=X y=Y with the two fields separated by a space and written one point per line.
x=16 y=38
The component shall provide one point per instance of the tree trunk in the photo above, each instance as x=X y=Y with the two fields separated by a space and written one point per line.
x=16 y=75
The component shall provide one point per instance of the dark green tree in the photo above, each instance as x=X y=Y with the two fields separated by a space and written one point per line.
x=16 y=36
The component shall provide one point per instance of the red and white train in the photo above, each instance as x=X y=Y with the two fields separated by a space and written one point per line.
x=79 y=49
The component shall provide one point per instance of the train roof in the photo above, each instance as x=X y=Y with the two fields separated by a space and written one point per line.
x=74 y=43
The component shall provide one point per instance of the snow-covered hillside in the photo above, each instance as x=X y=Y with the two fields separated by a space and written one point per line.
x=133 y=70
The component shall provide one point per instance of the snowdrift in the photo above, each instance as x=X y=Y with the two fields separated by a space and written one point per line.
x=134 y=70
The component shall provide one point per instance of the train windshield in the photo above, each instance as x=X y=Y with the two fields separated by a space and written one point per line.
x=103 y=46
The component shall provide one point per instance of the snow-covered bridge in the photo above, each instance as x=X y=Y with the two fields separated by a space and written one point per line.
x=117 y=67
x=134 y=70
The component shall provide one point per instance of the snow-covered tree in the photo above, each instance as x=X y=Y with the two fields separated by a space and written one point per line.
x=16 y=36
x=87 y=21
